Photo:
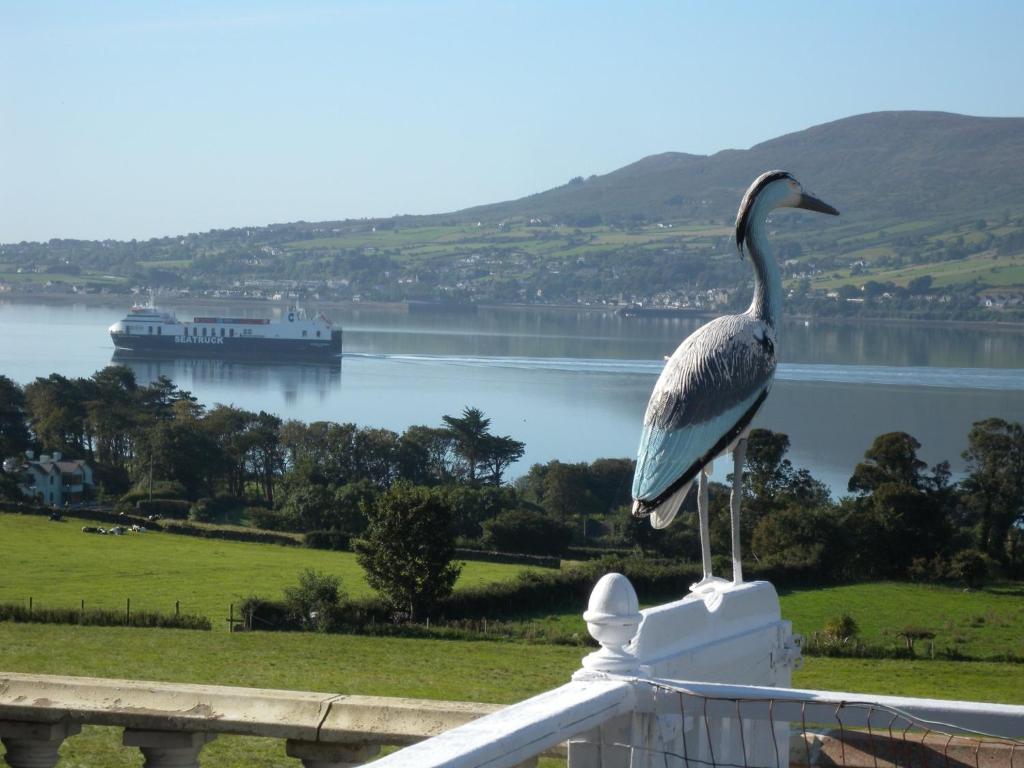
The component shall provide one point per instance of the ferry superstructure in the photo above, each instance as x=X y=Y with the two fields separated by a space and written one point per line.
x=147 y=330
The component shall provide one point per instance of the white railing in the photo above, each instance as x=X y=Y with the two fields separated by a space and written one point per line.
x=644 y=700
x=702 y=682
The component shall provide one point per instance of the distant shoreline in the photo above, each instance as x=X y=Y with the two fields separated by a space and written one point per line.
x=113 y=300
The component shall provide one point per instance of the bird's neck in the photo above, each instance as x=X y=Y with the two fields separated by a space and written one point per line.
x=767 y=302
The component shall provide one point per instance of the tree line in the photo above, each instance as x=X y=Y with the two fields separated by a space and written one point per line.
x=901 y=518
x=227 y=464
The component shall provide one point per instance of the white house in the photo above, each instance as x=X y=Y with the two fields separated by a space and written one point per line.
x=51 y=479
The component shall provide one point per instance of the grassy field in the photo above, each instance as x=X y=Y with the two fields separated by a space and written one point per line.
x=55 y=562
x=434 y=669
x=59 y=277
x=995 y=272
x=58 y=565
x=982 y=624
x=466 y=671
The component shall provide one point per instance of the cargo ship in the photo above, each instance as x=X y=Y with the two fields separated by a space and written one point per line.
x=151 y=332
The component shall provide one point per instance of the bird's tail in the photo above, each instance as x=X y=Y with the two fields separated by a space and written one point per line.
x=665 y=512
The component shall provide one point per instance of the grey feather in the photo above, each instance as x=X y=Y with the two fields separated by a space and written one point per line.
x=718 y=366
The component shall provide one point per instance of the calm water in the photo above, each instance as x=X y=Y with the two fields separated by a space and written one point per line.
x=572 y=385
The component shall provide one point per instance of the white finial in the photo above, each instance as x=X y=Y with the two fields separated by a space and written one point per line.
x=613 y=617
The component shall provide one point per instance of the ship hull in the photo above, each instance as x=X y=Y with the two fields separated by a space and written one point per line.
x=227 y=348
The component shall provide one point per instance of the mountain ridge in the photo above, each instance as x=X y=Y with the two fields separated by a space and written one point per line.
x=891 y=161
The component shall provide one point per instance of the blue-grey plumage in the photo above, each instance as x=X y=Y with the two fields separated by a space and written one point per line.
x=715 y=382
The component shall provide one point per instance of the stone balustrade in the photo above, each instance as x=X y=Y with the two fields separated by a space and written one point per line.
x=170 y=723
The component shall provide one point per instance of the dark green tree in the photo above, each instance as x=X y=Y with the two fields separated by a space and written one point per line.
x=427 y=456
x=351 y=502
x=892 y=458
x=471 y=507
x=482 y=456
x=9 y=490
x=527 y=531
x=994 y=487
x=14 y=435
x=795 y=537
x=112 y=413
x=57 y=411
x=264 y=455
x=470 y=433
x=611 y=482
x=315 y=602
x=500 y=452
x=408 y=549
x=308 y=508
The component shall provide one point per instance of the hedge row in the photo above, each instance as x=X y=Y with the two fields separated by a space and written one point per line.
x=596 y=553
x=232 y=534
x=338 y=541
x=341 y=541
x=530 y=594
x=97 y=617
x=173 y=508
x=509 y=558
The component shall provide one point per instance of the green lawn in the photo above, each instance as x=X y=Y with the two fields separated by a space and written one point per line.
x=434 y=669
x=982 y=623
x=58 y=565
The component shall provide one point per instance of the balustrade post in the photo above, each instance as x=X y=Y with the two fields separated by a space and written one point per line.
x=613 y=618
x=326 y=754
x=168 y=749
x=35 y=745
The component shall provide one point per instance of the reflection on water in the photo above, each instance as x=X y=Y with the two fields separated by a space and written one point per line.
x=291 y=379
x=571 y=385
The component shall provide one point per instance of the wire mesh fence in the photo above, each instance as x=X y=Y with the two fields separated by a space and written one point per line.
x=691 y=727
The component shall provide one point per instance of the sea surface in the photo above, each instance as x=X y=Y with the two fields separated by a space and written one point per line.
x=572 y=385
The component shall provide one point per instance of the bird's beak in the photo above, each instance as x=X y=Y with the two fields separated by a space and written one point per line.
x=811 y=203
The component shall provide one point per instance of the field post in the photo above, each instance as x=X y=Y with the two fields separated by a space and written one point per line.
x=81 y=612
x=30 y=606
x=127 y=611
x=177 y=607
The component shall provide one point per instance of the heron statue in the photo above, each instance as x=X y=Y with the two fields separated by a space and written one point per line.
x=715 y=383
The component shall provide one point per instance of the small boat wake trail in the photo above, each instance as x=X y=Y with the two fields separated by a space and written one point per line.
x=998 y=379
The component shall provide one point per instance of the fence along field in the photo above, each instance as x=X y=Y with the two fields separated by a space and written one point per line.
x=58 y=566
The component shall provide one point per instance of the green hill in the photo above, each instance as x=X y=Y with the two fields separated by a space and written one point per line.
x=908 y=164
x=932 y=227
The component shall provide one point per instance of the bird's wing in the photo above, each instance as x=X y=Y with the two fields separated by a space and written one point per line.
x=708 y=387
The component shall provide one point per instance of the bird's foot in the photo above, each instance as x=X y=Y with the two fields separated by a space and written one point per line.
x=708 y=584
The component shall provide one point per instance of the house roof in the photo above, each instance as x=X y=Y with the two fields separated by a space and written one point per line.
x=66 y=466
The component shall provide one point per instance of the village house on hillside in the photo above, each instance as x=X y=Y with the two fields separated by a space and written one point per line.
x=51 y=479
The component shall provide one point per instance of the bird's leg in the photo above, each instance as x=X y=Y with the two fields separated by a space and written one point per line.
x=705 y=531
x=739 y=454
x=708 y=583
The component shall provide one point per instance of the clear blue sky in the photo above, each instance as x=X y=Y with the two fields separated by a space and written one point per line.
x=139 y=119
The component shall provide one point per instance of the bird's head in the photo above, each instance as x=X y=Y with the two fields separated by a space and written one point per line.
x=775 y=189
